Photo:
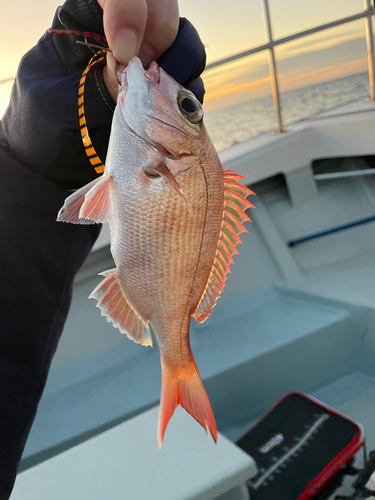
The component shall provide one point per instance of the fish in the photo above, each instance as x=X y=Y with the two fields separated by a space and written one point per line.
x=175 y=217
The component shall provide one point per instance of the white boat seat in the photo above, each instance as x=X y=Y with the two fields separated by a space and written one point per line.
x=125 y=463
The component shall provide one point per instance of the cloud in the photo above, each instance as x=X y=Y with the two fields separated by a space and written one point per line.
x=345 y=51
x=238 y=84
x=290 y=80
x=321 y=40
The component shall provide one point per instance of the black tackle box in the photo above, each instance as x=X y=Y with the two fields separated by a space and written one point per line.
x=299 y=445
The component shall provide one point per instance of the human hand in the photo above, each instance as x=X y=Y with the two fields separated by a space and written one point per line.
x=143 y=28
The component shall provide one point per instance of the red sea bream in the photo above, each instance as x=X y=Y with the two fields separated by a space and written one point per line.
x=174 y=217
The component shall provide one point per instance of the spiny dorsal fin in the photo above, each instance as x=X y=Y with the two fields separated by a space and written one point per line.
x=233 y=216
x=114 y=305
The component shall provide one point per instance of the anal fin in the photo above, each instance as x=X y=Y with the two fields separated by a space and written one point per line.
x=114 y=305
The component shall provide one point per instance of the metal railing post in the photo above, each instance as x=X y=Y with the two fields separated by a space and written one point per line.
x=273 y=69
x=367 y=14
x=370 y=48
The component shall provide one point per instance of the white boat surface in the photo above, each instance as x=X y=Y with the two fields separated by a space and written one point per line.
x=293 y=317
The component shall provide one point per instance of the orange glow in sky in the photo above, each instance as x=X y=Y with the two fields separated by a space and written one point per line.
x=226 y=28
x=230 y=95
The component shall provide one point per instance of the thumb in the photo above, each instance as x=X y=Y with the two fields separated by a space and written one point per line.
x=124 y=26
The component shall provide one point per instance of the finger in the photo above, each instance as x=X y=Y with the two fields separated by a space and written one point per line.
x=109 y=75
x=161 y=29
x=124 y=26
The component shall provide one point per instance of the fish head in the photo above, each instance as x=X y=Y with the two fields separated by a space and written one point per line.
x=160 y=111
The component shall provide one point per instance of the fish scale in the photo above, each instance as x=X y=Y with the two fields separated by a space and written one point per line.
x=174 y=217
x=183 y=235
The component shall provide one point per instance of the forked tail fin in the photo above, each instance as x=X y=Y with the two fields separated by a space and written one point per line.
x=183 y=386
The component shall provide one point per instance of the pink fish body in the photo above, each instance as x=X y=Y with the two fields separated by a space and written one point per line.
x=174 y=219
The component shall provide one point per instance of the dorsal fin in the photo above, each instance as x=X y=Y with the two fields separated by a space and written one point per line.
x=233 y=216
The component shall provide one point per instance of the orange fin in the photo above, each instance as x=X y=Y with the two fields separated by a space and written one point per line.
x=162 y=170
x=113 y=304
x=98 y=201
x=88 y=205
x=182 y=385
x=69 y=212
x=233 y=216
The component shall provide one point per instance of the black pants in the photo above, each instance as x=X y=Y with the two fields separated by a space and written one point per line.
x=38 y=260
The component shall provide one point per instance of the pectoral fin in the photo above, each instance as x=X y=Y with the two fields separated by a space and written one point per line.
x=88 y=205
x=161 y=170
x=97 y=200
x=114 y=305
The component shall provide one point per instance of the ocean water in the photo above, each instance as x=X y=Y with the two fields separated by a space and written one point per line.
x=240 y=122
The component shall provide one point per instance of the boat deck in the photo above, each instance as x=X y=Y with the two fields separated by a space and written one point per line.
x=291 y=318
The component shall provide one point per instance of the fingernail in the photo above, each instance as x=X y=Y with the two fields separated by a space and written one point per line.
x=126 y=45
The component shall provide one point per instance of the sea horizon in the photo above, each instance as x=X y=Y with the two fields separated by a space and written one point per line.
x=242 y=121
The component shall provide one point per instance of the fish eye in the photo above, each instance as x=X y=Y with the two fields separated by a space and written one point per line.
x=190 y=107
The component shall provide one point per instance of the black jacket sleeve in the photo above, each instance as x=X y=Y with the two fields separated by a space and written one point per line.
x=40 y=127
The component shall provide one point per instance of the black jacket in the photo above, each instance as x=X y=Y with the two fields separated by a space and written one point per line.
x=40 y=127
x=41 y=156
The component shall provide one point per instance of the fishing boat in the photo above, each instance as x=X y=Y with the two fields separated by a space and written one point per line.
x=297 y=315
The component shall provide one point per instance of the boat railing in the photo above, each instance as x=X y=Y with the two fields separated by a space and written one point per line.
x=272 y=43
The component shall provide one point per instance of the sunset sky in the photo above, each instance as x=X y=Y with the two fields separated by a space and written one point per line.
x=226 y=27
